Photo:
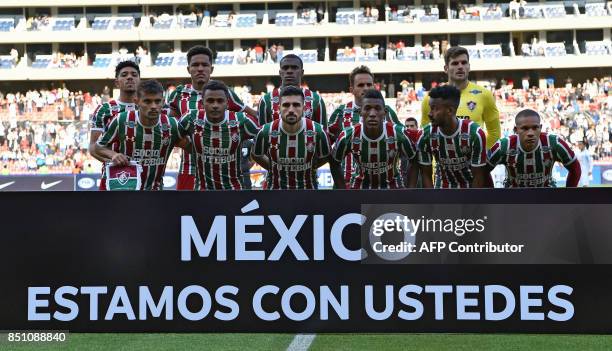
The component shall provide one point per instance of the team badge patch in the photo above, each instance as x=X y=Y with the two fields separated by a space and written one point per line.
x=308 y=113
x=166 y=141
x=123 y=177
x=471 y=105
x=235 y=137
x=465 y=150
x=275 y=99
x=391 y=154
x=310 y=147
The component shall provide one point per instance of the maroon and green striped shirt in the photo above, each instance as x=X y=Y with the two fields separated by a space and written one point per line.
x=530 y=169
x=345 y=116
x=185 y=98
x=149 y=146
x=376 y=161
x=455 y=154
x=292 y=156
x=217 y=147
x=106 y=111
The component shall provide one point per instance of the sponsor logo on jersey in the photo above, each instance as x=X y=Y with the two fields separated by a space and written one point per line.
x=275 y=134
x=310 y=133
x=166 y=141
x=475 y=92
x=232 y=123
x=471 y=105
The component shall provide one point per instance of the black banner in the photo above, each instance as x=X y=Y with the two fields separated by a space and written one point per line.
x=297 y=261
x=37 y=182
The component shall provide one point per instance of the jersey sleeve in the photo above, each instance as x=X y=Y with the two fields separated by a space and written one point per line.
x=234 y=103
x=186 y=123
x=321 y=113
x=172 y=102
x=406 y=145
x=175 y=130
x=392 y=115
x=496 y=155
x=248 y=125
x=425 y=111
x=341 y=148
x=479 y=148
x=335 y=122
x=101 y=113
x=490 y=116
x=563 y=152
x=264 y=110
x=423 y=149
x=323 y=143
x=261 y=141
x=111 y=134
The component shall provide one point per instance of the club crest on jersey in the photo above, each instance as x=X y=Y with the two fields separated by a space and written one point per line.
x=465 y=149
x=391 y=154
x=471 y=105
x=310 y=147
x=166 y=141
x=475 y=92
x=275 y=99
x=308 y=113
x=123 y=177
x=235 y=137
x=547 y=163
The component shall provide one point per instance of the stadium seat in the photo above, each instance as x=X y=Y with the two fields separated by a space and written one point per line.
x=246 y=20
x=224 y=58
x=63 y=24
x=123 y=23
x=101 y=23
x=6 y=24
x=42 y=61
x=595 y=9
x=597 y=48
x=189 y=23
x=6 y=62
x=285 y=19
x=181 y=60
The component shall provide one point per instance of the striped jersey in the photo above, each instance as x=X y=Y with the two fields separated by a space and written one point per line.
x=292 y=156
x=106 y=111
x=455 y=154
x=376 y=161
x=476 y=104
x=217 y=147
x=345 y=116
x=314 y=107
x=186 y=97
x=149 y=146
x=530 y=169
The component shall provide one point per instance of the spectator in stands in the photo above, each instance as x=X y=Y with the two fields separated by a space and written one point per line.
x=259 y=53
x=14 y=56
x=514 y=9
x=320 y=13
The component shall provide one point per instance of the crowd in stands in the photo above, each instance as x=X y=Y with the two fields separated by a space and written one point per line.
x=47 y=130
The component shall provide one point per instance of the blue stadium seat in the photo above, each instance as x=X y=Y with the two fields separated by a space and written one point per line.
x=595 y=9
